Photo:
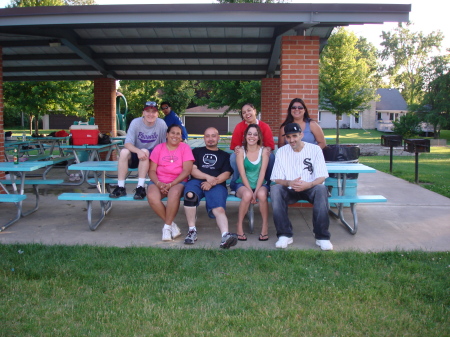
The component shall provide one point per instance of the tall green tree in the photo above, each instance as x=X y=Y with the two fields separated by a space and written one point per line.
x=39 y=98
x=179 y=93
x=436 y=104
x=344 y=81
x=233 y=94
x=409 y=55
x=369 y=53
x=137 y=93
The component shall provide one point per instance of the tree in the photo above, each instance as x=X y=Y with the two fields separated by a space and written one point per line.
x=344 y=81
x=407 y=126
x=369 y=53
x=40 y=98
x=233 y=94
x=178 y=93
x=38 y=3
x=137 y=93
x=409 y=56
x=436 y=104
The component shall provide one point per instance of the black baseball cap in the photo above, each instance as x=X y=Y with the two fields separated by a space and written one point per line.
x=151 y=104
x=292 y=128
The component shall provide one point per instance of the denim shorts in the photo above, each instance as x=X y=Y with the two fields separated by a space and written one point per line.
x=215 y=197
x=238 y=185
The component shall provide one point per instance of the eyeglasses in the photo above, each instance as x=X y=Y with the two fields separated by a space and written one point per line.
x=164 y=107
x=297 y=108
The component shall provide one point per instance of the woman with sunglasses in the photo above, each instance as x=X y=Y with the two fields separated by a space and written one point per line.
x=298 y=113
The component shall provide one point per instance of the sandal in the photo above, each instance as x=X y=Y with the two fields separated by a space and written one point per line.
x=263 y=237
x=242 y=237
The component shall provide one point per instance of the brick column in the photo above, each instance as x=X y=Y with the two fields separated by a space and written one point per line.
x=2 y=130
x=270 y=103
x=300 y=76
x=105 y=106
x=300 y=72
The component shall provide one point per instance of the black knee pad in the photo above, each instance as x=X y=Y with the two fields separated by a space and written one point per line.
x=190 y=201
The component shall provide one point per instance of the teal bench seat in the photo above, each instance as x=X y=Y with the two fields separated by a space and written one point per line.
x=105 y=202
x=16 y=198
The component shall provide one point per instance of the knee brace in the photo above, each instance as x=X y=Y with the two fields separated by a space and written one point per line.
x=190 y=199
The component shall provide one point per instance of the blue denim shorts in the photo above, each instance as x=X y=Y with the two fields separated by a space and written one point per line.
x=215 y=197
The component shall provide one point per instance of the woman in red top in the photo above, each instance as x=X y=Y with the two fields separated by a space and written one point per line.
x=248 y=115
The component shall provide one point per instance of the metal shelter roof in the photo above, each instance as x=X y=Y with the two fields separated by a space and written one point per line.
x=177 y=41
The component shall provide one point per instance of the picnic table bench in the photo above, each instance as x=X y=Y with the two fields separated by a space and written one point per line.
x=106 y=202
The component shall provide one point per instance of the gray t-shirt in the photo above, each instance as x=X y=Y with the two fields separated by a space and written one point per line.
x=146 y=137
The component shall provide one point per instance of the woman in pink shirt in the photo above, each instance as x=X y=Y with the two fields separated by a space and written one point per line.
x=170 y=165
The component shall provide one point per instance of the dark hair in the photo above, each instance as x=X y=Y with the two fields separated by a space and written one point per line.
x=249 y=104
x=258 y=129
x=175 y=126
x=165 y=102
x=290 y=118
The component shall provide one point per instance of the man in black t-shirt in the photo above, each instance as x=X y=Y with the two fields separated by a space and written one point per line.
x=208 y=179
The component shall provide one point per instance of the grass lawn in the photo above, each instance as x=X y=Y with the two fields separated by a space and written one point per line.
x=98 y=291
x=434 y=168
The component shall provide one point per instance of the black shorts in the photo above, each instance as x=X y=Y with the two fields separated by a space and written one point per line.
x=134 y=161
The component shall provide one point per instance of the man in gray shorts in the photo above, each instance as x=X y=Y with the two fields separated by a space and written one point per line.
x=143 y=135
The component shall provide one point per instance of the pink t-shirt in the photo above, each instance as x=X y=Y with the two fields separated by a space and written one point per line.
x=170 y=163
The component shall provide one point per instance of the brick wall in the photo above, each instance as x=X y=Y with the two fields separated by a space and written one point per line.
x=270 y=103
x=105 y=106
x=300 y=72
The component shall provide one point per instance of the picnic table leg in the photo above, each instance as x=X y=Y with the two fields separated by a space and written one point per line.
x=340 y=214
x=36 y=206
x=105 y=208
x=17 y=217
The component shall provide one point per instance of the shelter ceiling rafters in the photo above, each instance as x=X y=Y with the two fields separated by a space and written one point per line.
x=215 y=41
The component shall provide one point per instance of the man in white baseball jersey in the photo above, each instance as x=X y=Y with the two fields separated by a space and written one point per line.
x=299 y=173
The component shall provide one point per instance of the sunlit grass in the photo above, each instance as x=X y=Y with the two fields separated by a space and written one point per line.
x=97 y=291
x=434 y=168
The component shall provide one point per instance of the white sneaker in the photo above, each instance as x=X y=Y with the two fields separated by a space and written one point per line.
x=175 y=231
x=72 y=177
x=324 y=244
x=166 y=234
x=283 y=242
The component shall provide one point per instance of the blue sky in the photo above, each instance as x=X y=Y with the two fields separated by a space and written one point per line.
x=427 y=15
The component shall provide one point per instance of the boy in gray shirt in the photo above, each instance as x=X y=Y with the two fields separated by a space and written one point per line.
x=143 y=135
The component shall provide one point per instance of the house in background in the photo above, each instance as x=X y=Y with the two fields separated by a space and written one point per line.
x=380 y=115
x=198 y=118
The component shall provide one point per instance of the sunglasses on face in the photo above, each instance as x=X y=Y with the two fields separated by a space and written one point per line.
x=164 y=107
x=297 y=108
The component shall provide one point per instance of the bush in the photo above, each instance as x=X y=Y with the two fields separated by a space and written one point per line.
x=408 y=126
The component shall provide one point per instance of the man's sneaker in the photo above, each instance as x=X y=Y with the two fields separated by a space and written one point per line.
x=175 y=231
x=140 y=193
x=283 y=242
x=118 y=192
x=229 y=240
x=191 y=237
x=324 y=244
x=166 y=234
